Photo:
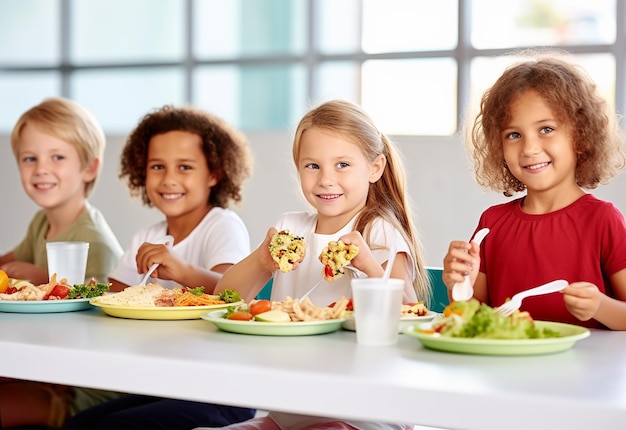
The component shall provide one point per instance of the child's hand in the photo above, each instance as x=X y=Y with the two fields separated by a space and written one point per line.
x=364 y=260
x=582 y=299
x=462 y=258
x=23 y=270
x=170 y=266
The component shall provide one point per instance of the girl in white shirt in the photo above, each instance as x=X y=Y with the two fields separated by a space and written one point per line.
x=352 y=176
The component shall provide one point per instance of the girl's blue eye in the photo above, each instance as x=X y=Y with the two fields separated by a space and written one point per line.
x=156 y=167
x=513 y=135
x=342 y=164
x=311 y=166
x=58 y=157
x=546 y=130
x=185 y=167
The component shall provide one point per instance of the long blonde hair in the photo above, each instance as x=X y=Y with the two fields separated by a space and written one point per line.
x=387 y=197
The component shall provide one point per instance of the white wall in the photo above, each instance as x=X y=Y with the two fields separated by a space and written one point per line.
x=446 y=200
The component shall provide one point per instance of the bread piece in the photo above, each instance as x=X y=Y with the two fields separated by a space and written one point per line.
x=286 y=249
x=334 y=257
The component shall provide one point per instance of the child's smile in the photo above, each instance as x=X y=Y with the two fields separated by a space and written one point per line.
x=178 y=181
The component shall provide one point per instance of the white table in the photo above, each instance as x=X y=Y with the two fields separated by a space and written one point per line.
x=330 y=375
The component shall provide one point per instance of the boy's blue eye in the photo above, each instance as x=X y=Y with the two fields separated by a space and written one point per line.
x=28 y=159
x=342 y=164
x=311 y=166
x=58 y=157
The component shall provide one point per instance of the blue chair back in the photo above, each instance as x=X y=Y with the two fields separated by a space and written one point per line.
x=266 y=291
x=438 y=298
x=439 y=293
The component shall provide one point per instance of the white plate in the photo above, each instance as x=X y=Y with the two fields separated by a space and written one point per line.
x=405 y=322
x=260 y=328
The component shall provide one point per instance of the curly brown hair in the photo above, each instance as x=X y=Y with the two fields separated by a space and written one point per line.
x=226 y=150
x=573 y=98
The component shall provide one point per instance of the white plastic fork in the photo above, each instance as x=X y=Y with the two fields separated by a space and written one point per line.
x=167 y=241
x=516 y=301
x=463 y=291
x=357 y=272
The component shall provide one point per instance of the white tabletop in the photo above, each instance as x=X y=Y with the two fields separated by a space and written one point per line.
x=328 y=375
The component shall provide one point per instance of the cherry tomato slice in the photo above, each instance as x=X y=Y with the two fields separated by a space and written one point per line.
x=240 y=316
x=260 y=306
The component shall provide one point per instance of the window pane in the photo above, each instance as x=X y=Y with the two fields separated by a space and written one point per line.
x=29 y=34
x=486 y=70
x=119 y=98
x=338 y=80
x=335 y=32
x=542 y=23
x=252 y=98
x=411 y=96
x=121 y=30
x=21 y=91
x=227 y=29
x=409 y=25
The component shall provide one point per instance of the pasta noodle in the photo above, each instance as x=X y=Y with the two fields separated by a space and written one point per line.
x=305 y=310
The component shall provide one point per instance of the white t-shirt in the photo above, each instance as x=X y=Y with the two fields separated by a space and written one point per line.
x=220 y=238
x=296 y=283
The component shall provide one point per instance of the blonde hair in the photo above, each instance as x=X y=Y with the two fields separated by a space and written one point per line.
x=68 y=121
x=572 y=96
x=387 y=197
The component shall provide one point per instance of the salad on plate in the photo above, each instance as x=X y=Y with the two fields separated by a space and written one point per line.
x=472 y=319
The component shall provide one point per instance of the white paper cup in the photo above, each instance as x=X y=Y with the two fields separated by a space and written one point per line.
x=377 y=306
x=68 y=260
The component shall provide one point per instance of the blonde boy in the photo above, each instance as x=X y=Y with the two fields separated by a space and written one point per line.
x=59 y=146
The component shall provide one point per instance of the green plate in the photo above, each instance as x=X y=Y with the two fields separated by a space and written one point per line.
x=159 y=312
x=570 y=334
x=260 y=328
x=44 y=306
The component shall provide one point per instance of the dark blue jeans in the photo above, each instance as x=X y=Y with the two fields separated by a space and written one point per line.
x=136 y=412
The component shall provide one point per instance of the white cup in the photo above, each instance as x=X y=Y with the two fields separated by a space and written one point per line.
x=377 y=306
x=68 y=260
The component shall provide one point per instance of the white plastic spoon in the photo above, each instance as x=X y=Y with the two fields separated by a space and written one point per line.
x=168 y=241
x=463 y=291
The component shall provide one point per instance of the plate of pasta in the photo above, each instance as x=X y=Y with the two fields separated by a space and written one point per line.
x=261 y=328
x=153 y=302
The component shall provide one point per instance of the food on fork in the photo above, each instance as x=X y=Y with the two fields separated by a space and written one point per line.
x=286 y=249
x=334 y=257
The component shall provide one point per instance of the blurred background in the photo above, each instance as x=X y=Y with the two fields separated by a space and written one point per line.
x=418 y=67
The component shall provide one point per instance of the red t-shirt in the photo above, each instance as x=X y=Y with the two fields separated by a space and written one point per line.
x=585 y=241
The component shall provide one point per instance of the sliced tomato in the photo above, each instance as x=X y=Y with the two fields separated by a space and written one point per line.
x=58 y=292
x=260 y=306
x=241 y=316
x=11 y=290
x=328 y=271
x=349 y=306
